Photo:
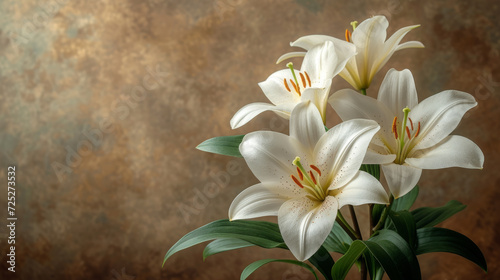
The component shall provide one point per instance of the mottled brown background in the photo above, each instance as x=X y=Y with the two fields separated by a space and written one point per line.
x=68 y=66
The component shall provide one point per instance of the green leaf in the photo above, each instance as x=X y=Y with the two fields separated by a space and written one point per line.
x=405 y=226
x=338 y=240
x=260 y=233
x=344 y=264
x=431 y=216
x=255 y=265
x=433 y=239
x=223 y=145
x=406 y=201
x=394 y=255
x=223 y=245
x=390 y=250
x=323 y=261
x=377 y=212
x=373 y=169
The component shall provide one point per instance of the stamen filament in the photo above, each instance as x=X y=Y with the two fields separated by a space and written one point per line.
x=286 y=85
x=313 y=186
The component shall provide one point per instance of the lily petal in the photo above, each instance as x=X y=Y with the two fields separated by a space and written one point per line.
x=275 y=90
x=369 y=38
x=362 y=189
x=378 y=155
x=256 y=201
x=250 y=111
x=325 y=61
x=391 y=46
x=319 y=97
x=453 y=151
x=341 y=150
x=410 y=44
x=306 y=124
x=270 y=155
x=290 y=55
x=310 y=41
x=401 y=178
x=440 y=114
x=398 y=91
x=349 y=105
x=305 y=224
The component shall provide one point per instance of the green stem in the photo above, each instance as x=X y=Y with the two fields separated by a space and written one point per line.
x=364 y=273
x=387 y=209
x=355 y=221
x=345 y=225
x=363 y=91
x=371 y=219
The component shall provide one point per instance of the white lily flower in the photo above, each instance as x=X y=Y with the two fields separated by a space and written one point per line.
x=307 y=176
x=373 y=51
x=413 y=136
x=287 y=88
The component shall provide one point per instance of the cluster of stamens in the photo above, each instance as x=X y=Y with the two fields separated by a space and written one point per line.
x=348 y=34
x=399 y=135
x=307 y=180
x=295 y=84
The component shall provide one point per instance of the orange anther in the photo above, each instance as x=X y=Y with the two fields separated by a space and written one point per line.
x=411 y=124
x=301 y=176
x=408 y=133
x=316 y=169
x=295 y=87
x=308 y=79
x=312 y=177
x=303 y=79
x=418 y=130
x=347 y=35
x=286 y=85
x=297 y=181
x=394 y=128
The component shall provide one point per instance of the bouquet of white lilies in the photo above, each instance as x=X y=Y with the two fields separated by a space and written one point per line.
x=307 y=176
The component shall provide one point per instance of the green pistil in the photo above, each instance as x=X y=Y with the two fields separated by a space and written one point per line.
x=290 y=65
x=406 y=111
x=317 y=191
x=354 y=25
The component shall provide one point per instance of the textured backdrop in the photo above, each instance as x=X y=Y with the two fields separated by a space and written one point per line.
x=103 y=102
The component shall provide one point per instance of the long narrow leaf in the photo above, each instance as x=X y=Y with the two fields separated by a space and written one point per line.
x=344 y=264
x=406 y=201
x=431 y=216
x=405 y=226
x=251 y=268
x=323 y=261
x=389 y=249
x=223 y=145
x=223 y=245
x=394 y=255
x=338 y=240
x=260 y=233
x=433 y=239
